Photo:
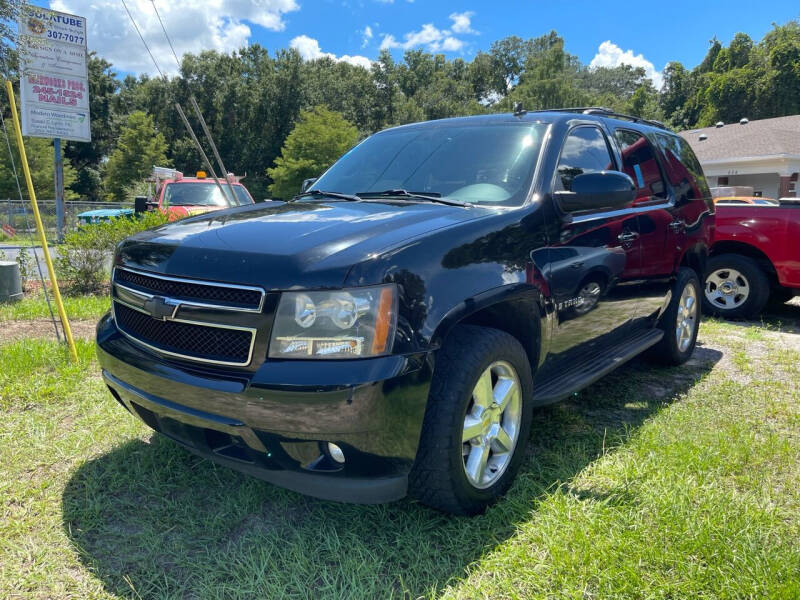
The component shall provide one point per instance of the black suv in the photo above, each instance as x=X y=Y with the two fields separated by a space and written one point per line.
x=391 y=329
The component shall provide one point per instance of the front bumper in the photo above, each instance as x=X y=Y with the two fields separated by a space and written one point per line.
x=273 y=423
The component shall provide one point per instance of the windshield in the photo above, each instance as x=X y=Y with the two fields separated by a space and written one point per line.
x=486 y=164
x=203 y=193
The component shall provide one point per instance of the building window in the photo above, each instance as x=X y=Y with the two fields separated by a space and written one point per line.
x=722 y=181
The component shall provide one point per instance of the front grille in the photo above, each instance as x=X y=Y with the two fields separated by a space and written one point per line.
x=222 y=295
x=187 y=340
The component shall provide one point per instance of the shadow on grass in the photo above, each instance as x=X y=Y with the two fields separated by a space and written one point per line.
x=151 y=520
x=784 y=317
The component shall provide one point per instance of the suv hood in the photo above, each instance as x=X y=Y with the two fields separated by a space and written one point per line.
x=286 y=245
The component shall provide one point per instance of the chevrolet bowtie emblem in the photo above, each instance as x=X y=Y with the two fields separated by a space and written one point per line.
x=161 y=308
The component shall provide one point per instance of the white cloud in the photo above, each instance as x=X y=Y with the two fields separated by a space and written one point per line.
x=611 y=55
x=462 y=22
x=309 y=49
x=193 y=27
x=433 y=38
x=366 y=36
x=451 y=44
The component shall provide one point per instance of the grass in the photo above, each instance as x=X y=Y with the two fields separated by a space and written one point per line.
x=652 y=483
x=23 y=240
x=35 y=307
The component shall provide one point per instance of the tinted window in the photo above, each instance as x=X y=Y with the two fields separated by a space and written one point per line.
x=491 y=164
x=683 y=169
x=640 y=164
x=584 y=151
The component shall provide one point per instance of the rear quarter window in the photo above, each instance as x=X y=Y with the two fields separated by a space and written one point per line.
x=682 y=168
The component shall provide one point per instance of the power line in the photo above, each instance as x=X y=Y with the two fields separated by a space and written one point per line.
x=166 y=35
x=141 y=37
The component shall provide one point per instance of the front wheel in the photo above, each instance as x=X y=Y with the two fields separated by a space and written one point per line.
x=477 y=421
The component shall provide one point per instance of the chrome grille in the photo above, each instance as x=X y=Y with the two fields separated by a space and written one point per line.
x=188 y=319
x=195 y=292
x=184 y=339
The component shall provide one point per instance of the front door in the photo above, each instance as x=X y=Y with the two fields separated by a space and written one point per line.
x=590 y=265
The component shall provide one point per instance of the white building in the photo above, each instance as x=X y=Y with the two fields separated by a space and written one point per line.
x=763 y=154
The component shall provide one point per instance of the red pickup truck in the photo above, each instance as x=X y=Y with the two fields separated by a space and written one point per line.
x=755 y=257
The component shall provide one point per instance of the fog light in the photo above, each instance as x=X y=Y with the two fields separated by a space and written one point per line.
x=336 y=453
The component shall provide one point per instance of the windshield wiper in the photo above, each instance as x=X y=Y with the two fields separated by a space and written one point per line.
x=324 y=194
x=432 y=197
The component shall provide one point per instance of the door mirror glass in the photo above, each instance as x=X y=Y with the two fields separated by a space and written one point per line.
x=602 y=190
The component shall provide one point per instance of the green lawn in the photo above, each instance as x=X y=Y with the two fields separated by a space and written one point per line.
x=35 y=307
x=653 y=483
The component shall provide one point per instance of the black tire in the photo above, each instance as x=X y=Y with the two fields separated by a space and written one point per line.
x=668 y=351
x=757 y=284
x=438 y=478
x=780 y=296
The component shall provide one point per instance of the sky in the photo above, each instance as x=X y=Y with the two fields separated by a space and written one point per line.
x=647 y=34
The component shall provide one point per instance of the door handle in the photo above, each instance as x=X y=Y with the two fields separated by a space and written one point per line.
x=626 y=237
x=677 y=226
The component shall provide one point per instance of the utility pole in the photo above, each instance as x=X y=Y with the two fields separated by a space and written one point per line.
x=59 y=179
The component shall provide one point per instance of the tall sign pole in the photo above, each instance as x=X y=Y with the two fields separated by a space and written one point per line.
x=54 y=85
x=59 y=184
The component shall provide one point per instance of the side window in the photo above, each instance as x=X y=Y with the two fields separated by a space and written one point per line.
x=640 y=164
x=585 y=151
x=683 y=169
x=242 y=196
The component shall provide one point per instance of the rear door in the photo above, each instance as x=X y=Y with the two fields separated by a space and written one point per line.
x=657 y=222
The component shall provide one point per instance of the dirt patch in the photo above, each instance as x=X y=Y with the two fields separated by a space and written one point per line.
x=11 y=331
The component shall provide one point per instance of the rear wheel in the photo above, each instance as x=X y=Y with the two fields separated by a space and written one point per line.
x=680 y=322
x=476 y=424
x=735 y=287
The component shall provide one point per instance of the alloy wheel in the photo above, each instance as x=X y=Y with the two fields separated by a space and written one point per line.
x=491 y=425
x=589 y=296
x=687 y=318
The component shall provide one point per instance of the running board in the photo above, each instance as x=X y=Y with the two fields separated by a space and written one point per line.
x=592 y=367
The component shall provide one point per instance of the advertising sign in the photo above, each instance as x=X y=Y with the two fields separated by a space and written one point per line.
x=54 y=84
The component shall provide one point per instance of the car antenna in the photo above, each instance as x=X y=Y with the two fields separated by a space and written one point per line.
x=518 y=110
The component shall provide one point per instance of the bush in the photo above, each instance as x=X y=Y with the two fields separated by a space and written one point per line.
x=85 y=254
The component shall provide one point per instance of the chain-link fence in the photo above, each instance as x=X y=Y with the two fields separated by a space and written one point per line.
x=14 y=225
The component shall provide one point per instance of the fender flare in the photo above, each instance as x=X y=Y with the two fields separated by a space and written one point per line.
x=519 y=292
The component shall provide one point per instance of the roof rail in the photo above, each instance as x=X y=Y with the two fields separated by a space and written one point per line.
x=607 y=112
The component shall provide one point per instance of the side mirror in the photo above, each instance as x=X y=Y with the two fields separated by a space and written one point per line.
x=139 y=204
x=608 y=190
x=307 y=183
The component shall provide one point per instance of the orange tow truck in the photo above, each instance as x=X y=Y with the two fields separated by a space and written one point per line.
x=178 y=196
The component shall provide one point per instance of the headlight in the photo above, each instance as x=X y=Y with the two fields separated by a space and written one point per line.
x=352 y=323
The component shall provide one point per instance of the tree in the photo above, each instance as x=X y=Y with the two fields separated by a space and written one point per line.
x=317 y=140
x=549 y=79
x=40 y=160
x=85 y=157
x=9 y=11
x=139 y=147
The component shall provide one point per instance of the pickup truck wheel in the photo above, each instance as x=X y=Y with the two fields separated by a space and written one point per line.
x=477 y=421
x=735 y=287
x=680 y=322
